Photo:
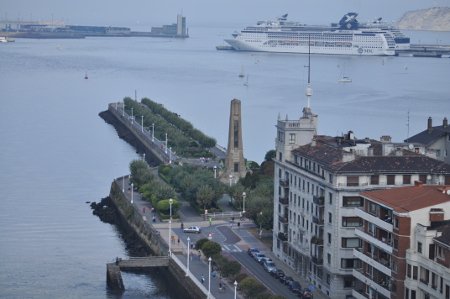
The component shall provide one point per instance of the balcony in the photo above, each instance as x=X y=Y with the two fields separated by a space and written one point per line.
x=384 y=224
x=384 y=244
x=381 y=287
x=282 y=236
x=284 y=200
x=319 y=200
x=317 y=240
x=373 y=261
x=318 y=220
x=283 y=219
x=317 y=260
x=284 y=183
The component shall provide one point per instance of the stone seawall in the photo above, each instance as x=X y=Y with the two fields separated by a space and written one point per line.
x=152 y=238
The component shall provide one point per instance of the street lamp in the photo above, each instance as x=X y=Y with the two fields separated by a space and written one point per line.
x=215 y=171
x=170 y=155
x=187 y=262
x=231 y=179
x=209 y=276
x=153 y=132
x=132 y=115
x=123 y=109
x=243 y=201
x=142 y=123
x=166 y=144
x=170 y=225
x=260 y=224
x=235 y=288
x=123 y=184
x=132 y=189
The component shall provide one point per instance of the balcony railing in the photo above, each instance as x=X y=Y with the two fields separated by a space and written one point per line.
x=319 y=200
x=317 y=240
x=284 y=200
x=318 y=220
x=282 y=236
x=284 y=183
x=283 y=219
x=317 y=260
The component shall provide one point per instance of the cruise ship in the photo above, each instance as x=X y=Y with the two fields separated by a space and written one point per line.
x=344 y=38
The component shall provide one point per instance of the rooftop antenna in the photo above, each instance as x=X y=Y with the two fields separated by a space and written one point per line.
x=308 y=87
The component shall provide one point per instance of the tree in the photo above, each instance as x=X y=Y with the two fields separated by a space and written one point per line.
x=211 y=248
x=251 y=287
x=205 y=195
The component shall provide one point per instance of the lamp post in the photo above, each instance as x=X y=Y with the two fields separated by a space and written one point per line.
x=235 y=288
x=153 y=132
x=170 y=226
x=215 y=171
x=123 y=109
x=187 y=262
x=231 y=179
x=243 y=201
x=142 y=123
x=170 y=155
x=209 y=276
x=123 y=184
x=132 y=115
x=260 y=224
x=166 y=144
x=132 y=189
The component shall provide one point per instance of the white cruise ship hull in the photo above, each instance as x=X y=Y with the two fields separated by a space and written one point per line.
x=354 y=49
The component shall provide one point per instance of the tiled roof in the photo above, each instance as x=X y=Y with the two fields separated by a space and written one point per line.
x=411 y=198
x=445 y=237
x=427 y=137
x=329 y=153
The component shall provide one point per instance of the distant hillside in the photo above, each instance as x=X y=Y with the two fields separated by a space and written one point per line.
x=435 y=18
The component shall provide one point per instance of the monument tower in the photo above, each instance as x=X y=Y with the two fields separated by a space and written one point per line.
x=234 y=162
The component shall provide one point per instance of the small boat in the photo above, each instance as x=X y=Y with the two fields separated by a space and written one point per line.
x=345 y=79
x=241 y=74
x=4 y=39
x=86 y=76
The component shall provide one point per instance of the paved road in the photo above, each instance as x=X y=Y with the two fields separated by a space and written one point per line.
x=234 y=240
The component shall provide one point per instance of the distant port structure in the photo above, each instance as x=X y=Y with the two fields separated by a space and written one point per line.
x=35 y=29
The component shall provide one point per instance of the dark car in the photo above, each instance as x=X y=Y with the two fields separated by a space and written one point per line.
x=306 y=294
x=252 y=251
x=287 y=280
x=295 y=287
x=278 y=274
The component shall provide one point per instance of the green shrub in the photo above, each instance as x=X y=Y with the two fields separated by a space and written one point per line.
x=230 y=269
x=251 y=288
x=163 y=206
x=241 y=276
x=211 y=248
x=199 y=243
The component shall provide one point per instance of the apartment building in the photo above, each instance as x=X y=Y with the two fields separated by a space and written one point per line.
x=317 y=184
x=398 y=232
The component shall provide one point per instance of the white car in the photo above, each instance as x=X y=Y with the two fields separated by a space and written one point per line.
x=192 y=229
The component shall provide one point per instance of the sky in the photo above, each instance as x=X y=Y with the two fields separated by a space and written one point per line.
x=132 y=13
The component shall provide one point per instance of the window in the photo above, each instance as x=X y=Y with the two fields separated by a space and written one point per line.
x=292 y=138
x=413 y=294
x=350 y=263
x=408 y=271
x=351 y=243
x=439 y=252
x=414 y=273
x=351 y=222
x=374 y=179
x=372 y=208
x=329 y=238
x=330 y=198
x=328 y=279
x=424 y=275
x=390 y=179
x=236 y=167
x=419 y=247
x=330 y=217
x=352 y=180
x=352 y=201
x=406 y=179
x=329 y=258
x=349 y=282
x=423 y=178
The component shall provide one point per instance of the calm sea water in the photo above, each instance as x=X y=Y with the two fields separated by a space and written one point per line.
x=56 y=153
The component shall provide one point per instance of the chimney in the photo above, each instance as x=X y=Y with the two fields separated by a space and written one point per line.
x=430 y=124
x=445 y=122
x=436 y=215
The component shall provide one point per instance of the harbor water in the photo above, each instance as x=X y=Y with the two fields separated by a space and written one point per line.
x=57 y=154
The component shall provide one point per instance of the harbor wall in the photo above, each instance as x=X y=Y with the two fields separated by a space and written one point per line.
x=151 y=237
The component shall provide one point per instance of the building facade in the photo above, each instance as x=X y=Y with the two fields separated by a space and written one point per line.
x=397 y=238
x=317 y=184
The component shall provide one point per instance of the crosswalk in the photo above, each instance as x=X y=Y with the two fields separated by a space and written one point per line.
x=231 y=248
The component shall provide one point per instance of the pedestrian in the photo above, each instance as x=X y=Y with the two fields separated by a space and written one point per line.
x=182 y=225
x=178 y=241
x=143 y=210
x=220 y=286
x=203 y=279
x=154 y=218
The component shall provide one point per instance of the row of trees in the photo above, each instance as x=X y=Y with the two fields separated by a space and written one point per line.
x=153 y=189
x=194 y=184
x=183 y=137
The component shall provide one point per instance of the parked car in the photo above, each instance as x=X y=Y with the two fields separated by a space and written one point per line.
x=279 y=274
x=265 y=259
x=259 y=256
x=306 y=294
x=192 y=229
x=252 y=251
x=295 y=287
x=270 y=267
x=287 y=280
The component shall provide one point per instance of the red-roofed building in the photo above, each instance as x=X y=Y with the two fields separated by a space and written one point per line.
x=400 y=233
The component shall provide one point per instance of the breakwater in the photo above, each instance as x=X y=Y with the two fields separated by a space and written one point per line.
x=151 y=238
